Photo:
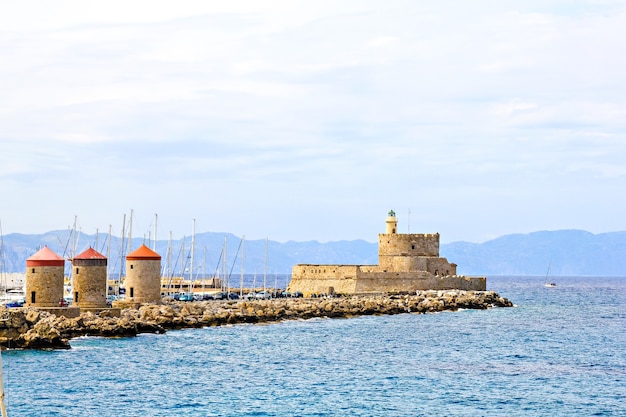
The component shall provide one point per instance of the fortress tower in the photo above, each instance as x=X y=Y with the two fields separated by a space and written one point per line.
x=89 y=279
x=143 y=275
x=411 y=252
x=44 y=279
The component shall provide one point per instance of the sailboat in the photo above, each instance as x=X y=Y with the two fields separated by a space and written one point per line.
x=546 y=283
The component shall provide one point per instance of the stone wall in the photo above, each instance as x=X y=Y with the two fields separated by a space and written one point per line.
x=408 y=282
x=354 y=279
x=89 y=284
x=407 y=245
x=46 y=282
x=326 y=279
x=143 y=280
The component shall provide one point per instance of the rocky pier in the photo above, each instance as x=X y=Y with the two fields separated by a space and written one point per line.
x=29 y=328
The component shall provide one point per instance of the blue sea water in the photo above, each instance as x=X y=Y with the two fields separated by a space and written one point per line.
x=560 y=352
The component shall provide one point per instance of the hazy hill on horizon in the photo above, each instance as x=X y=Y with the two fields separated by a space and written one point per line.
x=564 y=252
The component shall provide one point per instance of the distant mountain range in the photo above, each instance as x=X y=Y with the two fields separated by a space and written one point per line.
x=564 y=252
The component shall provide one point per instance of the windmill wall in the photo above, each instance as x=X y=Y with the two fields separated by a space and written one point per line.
x=44 y=286
x=90 y=283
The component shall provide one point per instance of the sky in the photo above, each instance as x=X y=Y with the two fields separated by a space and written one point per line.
x=310 y=120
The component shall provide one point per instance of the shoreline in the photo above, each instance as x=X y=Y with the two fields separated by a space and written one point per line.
x=29 y=328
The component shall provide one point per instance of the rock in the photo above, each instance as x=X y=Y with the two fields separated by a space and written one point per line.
x=32 y=316
x=43 y=336
x=32 y=329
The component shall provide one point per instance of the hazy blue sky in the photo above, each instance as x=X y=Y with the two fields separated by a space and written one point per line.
x=310 y=120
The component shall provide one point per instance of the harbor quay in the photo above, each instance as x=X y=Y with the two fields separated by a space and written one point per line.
x=32 y=328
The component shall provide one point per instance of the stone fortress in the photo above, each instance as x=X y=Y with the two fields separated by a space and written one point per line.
x=406 y=263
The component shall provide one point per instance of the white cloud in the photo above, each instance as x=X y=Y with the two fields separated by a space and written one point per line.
x=311 y=106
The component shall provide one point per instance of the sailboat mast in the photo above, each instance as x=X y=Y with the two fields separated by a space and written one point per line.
x=193 y=245
x=169 y=264
x=156 y=220
x=130 y=231
x=108 y=258
x=203 y=270
x=243 y=255
x=119 y=281
x=2 y=266
x=224 y=282
x=75 y=243
x=265 y=267
x=182 y=266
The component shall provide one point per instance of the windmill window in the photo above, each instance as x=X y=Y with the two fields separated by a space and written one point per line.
x=33 y=270
x=76 y=297
x=33 y=297
x=132 y=292
x=131 y=266
x=77 y=271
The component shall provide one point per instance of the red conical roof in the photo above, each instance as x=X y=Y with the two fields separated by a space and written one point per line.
x=45 y=257
x=90 y=254
x=142 y=253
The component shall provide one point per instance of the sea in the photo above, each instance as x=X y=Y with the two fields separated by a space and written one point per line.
x=559 y=352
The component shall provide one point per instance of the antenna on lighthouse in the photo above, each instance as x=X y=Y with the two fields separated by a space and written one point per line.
x=408 y=223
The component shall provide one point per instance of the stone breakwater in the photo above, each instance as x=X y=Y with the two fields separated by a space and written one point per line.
x=29 y=328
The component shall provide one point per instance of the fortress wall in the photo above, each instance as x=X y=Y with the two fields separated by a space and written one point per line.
x=409 y=263
x=322 y=286
x=407 y=245
x=411 y=281
x=434 y=265
x=440 y=266
x=336 y=271
x=353 y=279
x=324 y=279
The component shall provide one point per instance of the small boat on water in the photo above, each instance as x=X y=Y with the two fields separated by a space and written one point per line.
x=546 y=283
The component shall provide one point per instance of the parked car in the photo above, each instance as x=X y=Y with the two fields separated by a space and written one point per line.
x=250 y=296
x=185 y=297
x=296 y=294
x=263 y=295
x=220 y=295
x=233 y=296
x=15 y=303
x=110 y=299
